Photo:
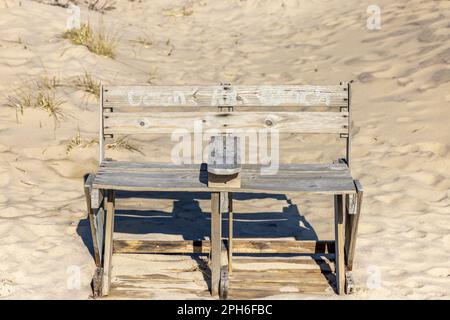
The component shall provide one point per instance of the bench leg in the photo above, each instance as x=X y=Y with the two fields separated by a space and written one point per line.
x=216 y=242
x=92 y=213
x=339 y=243
x=109 y=231
x=352 y=221
x=230 y=233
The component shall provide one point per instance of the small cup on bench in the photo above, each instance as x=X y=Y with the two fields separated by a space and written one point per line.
x=224 y=162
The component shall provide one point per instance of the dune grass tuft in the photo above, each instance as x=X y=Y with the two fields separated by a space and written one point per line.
x=48 y=102
x=77 y=141
x=87 y=83
x=36 y=95
x=46 y=82
x=100 y=42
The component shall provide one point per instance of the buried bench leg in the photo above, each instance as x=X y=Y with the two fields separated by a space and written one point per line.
x=352 y=219
x=109 y=231
x=339 y=243
x=216 y=242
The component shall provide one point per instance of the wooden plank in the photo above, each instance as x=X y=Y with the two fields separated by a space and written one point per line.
x=319 y=178
x=325 y=262
x=263 y=283
x=229 y=122
x=352 y=221
x=257 y=184
x=282 y=275
x=173 y=178
x=109 y=231
x=158 y=278
x=339 y=243
x=224 y=95
x=239 y=246
x=289 y=286
x=194 y=176
x=216 y=242
x=250 y=293
x=322 y=167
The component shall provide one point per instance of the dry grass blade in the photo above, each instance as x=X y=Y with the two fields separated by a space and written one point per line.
x=184 y=11
x=144 y=41
x=101 y=6
x=48 y=83
x=19 y=100
x=124 y=144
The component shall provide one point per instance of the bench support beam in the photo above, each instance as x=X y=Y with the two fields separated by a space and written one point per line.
x=339 y=243
x=351 y=228
x=216 y=241
x=230 y=233
x=109 y=231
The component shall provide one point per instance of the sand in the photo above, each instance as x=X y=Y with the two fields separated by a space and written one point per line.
x=401 y=149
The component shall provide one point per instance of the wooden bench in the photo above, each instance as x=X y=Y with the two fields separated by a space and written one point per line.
x=299 y=109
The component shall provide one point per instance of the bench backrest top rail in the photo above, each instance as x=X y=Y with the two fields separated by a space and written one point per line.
x=224 y=95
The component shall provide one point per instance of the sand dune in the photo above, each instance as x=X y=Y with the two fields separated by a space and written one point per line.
x=401 y=149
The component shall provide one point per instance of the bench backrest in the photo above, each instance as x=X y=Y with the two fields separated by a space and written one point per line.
x=300 y=109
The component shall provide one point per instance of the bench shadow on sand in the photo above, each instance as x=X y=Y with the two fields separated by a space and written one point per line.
x=188 y=221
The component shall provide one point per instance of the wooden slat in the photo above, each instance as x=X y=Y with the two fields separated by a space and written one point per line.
x=154 y=166
x=294 y=263
x=203 y=96
x=319 y=178
x=250 y=293
x=232 y=122
x=193 y=184
x=239 y=246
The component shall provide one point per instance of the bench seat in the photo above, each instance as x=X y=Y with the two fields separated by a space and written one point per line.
x=309 y=178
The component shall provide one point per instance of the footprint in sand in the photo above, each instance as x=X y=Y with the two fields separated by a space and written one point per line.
x=6 y=287
x=397 y=272
x=434 y=147
x=369 y=229
x=413 y=234
x=439 y=272
x=441 y=76
x=424 y=177
x=404 y=119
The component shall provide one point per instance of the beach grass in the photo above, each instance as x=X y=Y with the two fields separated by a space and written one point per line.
x=87 y=83
x=37 y=95
x=99 y=42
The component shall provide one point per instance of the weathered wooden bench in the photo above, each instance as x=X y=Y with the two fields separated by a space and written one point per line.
x=299 y=109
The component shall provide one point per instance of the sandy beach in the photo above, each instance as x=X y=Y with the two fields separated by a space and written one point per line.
x=400 y=152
